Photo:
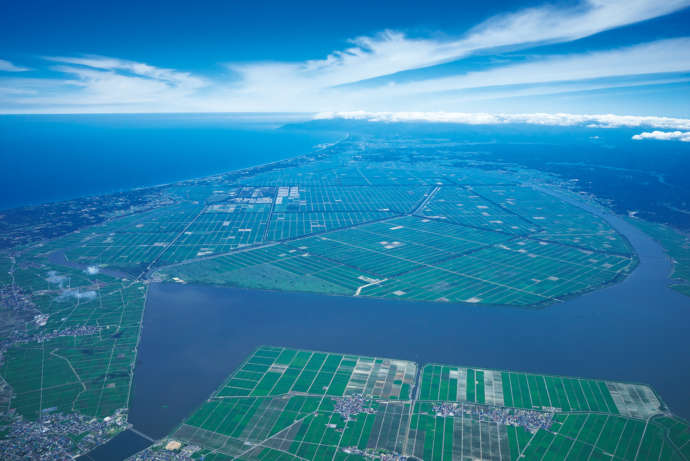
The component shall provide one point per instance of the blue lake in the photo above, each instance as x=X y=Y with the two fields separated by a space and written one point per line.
x=194 y=336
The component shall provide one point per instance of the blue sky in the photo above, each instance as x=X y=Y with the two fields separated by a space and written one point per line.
x=627 y=57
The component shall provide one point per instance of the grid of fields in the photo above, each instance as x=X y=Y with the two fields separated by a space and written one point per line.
x=416 y=258
x=81 y=357
x=303 y=199
x=367 y=223
x=275 y=267
x=277 y=371
x=464 y=206
x=287 y=226
x=381 y=222
x=558 y=220
x=130 y=242
x=305 y=404
x=434 y=437
x=286 y=404
x=219 y=229
x=602 y=437
x=529 y=391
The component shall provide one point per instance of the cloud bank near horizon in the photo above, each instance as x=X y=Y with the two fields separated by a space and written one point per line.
x=374 y=72
x=558 y=119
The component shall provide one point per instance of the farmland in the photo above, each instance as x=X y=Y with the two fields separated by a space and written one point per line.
x=359 y=219
x=427 y=231
x=287 y=404
x=363 y=217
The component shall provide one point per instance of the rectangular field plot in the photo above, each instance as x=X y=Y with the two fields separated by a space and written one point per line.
x=286 y=226
x=541 y=269
x=413 y=258
x=410 y=239
x=311 y=405
x=131 y=241
x=463 y=206
x=439 y=284
x=276 y=266
x=84 y=361
x=433 y=437
x=539 y=392
x=121 y=249
x=325 y=173
x=309 y=199
x=219 y=229
x=297 y=404
x=595 y=436
x=276 y=371
x=170 y=218
x=558 y=220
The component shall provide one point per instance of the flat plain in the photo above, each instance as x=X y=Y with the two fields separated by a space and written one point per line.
x=395 y=219
x=288 y=404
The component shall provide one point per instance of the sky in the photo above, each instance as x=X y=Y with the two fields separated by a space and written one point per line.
x=628 y=58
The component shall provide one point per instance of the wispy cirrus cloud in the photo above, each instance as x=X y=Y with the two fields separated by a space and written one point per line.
x=648 y=63
x=391 y=52
x=551 y=23
x=172 y=78
x=663 y=56
x=97 y=81
x=365 y=74
x=7 y=66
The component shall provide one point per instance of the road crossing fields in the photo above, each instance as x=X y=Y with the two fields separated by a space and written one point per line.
x=78 y=355
x=435 y=233
x=406 y=224
x=415 y=258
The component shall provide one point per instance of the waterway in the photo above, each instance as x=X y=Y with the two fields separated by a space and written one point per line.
x=194 y=336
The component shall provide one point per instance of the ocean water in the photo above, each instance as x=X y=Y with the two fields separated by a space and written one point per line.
x=45 y=158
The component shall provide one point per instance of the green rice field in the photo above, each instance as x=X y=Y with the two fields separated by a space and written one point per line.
x=79 y=357
x=290 y=404
x=352 y=222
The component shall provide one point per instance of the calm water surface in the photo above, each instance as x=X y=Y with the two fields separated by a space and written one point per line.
x=58 y=157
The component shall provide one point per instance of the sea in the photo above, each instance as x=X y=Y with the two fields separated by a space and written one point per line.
x=48 y=158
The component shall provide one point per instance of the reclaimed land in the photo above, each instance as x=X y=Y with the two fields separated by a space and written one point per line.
x=287 y=404
x=362 y=217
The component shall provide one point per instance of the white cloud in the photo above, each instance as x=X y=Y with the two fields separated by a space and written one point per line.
x=663 y=56
x=288 y=87
x=6 y=66
x=106 y=84
x=554 y=24
x=683 y=136
x=139 y=69
x=391 y=52
x=77 y=294
x=600 y=120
